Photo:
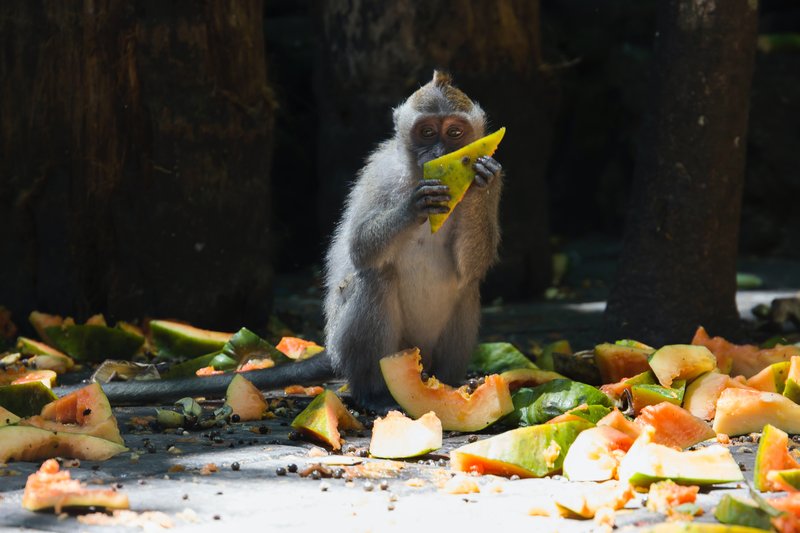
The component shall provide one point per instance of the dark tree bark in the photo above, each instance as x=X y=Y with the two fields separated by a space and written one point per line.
x=136 y=153
x=373 y=55
x=678 y=265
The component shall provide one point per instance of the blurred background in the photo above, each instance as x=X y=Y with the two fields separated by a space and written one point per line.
x=176 y=159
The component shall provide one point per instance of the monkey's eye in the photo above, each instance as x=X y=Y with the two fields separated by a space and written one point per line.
x=454 y=132
x=427 y=132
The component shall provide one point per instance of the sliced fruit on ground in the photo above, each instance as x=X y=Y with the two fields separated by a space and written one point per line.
x=397 y=437
x=540 y=404
x=245 y=346
x=528 y=377
x=792 y=387
x=324 y=417
x=615 y=390
x=647 y=462
x=595 y=454
x=737 y=511
x=533 y=451
x=28 y=443
x=545 y=359
x=217 y=360
x=664 y=496
x=617 y=420
x=584 y=500
x=498 y=357
x=26 y=399
x=7 y=417
x=702 y=393
x=85 y=411
x=43 y=356
x=681 y=361
x=645 y=395
x=747 y=359
x=773 y=454
x=298 y=349
x=17 y=376
x=618 y=361
x=592 y=413
x=95 y=343
x=741 y=411
x=42 y=321
x=674 y=426
x=698 y=527
x=174 y=339
x=785 y=480
x=455 y=170
x=245 y=399
x=771 y=379
x=51 y=488
x=458 y=409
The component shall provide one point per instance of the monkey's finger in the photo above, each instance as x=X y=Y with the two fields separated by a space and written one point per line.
x=441 y=190
x=430 y=182
x=432 y=200
x=491 y=164
x=436 y=210
x=483 y=176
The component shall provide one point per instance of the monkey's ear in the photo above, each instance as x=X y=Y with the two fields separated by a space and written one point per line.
x=441 y=78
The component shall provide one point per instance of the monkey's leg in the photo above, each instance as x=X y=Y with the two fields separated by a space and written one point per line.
x=457 y=341
x=367 y=328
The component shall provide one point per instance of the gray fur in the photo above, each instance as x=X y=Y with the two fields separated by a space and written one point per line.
x=390 y=283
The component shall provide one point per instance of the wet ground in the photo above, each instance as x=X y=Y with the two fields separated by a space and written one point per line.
x=171 y=481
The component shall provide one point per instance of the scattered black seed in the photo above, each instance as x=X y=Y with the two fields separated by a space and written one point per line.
x=235 y=418
x=142 y=482
x=324 y=486
x=338 y=473
x=119 y=485
x=216 y=517
x=150 y=448
x=219 y=493
x=294 y=435
x=292 y=468
x=241 y=441
x=185 y=496
x=281 y=471
x=472 y=383
x=263 y=430
x=97 y=467
x=349 y=449
x=361 y=435
x=424 y=376
x=284 y=424
x=368 y=486
x=363 y=452
x=390 y=507
x=384 y=485
x=274 y=441
x=441 y=462
x=746 y=450
x=87 y=412
x=472 y=438
x=235 y=466
x=742 y=467
x=315 y=474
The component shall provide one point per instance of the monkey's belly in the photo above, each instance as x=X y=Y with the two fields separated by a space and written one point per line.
x=427 y=288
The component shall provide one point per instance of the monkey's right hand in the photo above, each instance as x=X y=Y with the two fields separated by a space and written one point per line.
x=430 y=197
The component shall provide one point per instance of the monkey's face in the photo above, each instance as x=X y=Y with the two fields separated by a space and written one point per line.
x=435 y=135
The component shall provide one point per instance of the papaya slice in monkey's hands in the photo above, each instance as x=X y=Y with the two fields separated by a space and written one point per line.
x=455 y=170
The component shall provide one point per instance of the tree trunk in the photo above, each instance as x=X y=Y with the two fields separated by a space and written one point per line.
x=136 y=146
x=373 y=55
x=678 y=265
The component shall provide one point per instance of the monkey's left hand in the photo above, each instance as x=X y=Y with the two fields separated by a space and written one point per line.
x=486 y=171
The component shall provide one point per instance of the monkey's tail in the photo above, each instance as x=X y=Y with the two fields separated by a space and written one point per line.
x=317 y=369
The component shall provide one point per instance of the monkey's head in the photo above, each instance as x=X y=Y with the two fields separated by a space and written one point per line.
x=438 y=119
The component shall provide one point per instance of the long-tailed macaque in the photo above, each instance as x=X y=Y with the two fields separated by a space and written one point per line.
x=390 y=283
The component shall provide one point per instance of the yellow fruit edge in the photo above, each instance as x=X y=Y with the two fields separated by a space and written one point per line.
x=455 y=170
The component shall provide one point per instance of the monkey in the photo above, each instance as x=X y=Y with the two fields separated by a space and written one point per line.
x=391 y=284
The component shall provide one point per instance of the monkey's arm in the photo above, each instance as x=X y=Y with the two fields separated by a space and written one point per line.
x=381 y=225
x=476 y=248
x=308 y=372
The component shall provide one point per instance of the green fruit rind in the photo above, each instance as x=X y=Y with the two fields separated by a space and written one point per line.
x=498 y=357
x=95 y=343
x=681 y=361
x=771 y=379
x=26 y=399
x=772 y=454
x=647 y=462
x=218 y=360
x=545 y=360
x=28 y=443
x=245 y=345
x=699 y=527
x=323 y=418
x=731 y=510
x=533 y=451
x=174 y=340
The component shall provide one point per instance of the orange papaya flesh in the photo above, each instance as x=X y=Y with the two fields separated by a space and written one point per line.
x=772 y=454
x=324 y=417
x=746 y=359
x=51 y=488
x=674 y=426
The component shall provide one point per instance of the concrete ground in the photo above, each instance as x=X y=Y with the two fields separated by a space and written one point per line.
x=170 y=484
